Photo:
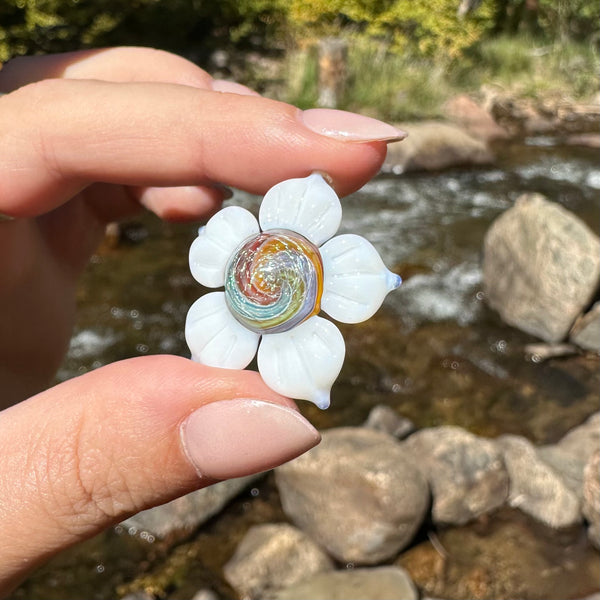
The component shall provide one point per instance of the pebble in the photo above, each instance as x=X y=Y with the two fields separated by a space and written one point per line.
x=357 y=494
x=273 y=556
x=586 y=331
x=465 y=472
x=382 y=583
x=185 y=514
x=386 y=419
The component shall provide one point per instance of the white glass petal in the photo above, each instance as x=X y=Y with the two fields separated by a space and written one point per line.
x=355 y=279
x=304 y=362
x=308 y=206
x=215 y=338
x=216 y=242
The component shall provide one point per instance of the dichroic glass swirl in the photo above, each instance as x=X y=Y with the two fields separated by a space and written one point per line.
x=274 y=281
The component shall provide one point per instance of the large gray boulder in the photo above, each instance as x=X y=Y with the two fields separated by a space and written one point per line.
x=273 y=556
x=382 y=583
x=434 y=146
x=535 y=487
x=465 y=472
x=541 y=267
x=357 y=494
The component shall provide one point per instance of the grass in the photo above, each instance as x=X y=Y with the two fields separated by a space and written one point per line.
x=400 y=87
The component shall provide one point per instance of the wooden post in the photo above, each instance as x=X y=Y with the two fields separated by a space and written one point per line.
x=333 y=55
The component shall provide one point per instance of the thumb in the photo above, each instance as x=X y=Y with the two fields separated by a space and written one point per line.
x=96 y=449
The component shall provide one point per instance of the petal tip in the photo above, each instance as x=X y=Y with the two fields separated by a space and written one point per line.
x=393 y=281
x=321 y=399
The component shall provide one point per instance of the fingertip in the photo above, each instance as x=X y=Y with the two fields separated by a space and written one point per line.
x=232 y=87
x=185 y=203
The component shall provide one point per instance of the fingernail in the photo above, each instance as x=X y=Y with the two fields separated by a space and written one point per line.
x=343 y=125
x=233 y=438
x=231 y=87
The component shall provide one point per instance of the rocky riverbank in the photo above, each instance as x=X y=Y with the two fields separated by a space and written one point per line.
x=473 y=124
x=358 y=507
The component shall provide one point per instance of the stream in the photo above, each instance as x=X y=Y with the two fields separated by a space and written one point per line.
x=435 y=352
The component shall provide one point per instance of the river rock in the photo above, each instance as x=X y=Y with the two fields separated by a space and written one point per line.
x=535 y=487
x=382 y=583
x=465 y=472
x=433 y=146
x=591 y=497
x=569 y=456
x=541 y=267
x=477 y=121
x=182 y=515
x=587 y=140
x=582 y=440
x=586 y=331
x=357 y=494
x=205 y=594
x=386 y=419
x=273 y=556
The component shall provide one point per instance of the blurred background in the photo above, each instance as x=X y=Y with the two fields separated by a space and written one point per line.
x=501 y=101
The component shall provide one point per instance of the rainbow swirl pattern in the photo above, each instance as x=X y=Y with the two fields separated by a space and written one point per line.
x=274 y=281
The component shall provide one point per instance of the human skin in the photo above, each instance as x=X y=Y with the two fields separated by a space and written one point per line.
x=92 y=137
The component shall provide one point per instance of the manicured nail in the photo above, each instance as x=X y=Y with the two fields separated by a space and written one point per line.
x=231 y=87
x=233 y=438
x=348 y=126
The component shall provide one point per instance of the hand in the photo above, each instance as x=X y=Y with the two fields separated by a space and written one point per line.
x=87 y=138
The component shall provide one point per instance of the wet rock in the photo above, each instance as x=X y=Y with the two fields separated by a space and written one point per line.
x=185 y=514
x=535 y=487
x=139 y=596
x=465 y=472
x=433 y=146
x=588 y=140
x=357 y=494
x=581 y=441
x=591 y=497
x=205 y=594
x=568 y=457
x=565 y=465
x=382 y=583
x=273 y=556
x=472 y=117
x=386 y=419
x=586 y=331
x=533 y=116
x=541 y=267
x=541 y=352
x=505 y=556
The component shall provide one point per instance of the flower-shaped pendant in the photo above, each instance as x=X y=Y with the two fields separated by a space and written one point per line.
x=277 y=277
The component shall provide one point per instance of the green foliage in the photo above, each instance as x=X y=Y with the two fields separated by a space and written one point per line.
x=184 y=26
x=531 y=66
x=398 y=87
x=574 y=19
x=416 y=27
x=424 y=28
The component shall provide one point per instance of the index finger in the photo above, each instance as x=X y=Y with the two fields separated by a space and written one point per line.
x=58 y=136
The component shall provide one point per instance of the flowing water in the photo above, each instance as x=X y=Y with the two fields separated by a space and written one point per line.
x=435 y=352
